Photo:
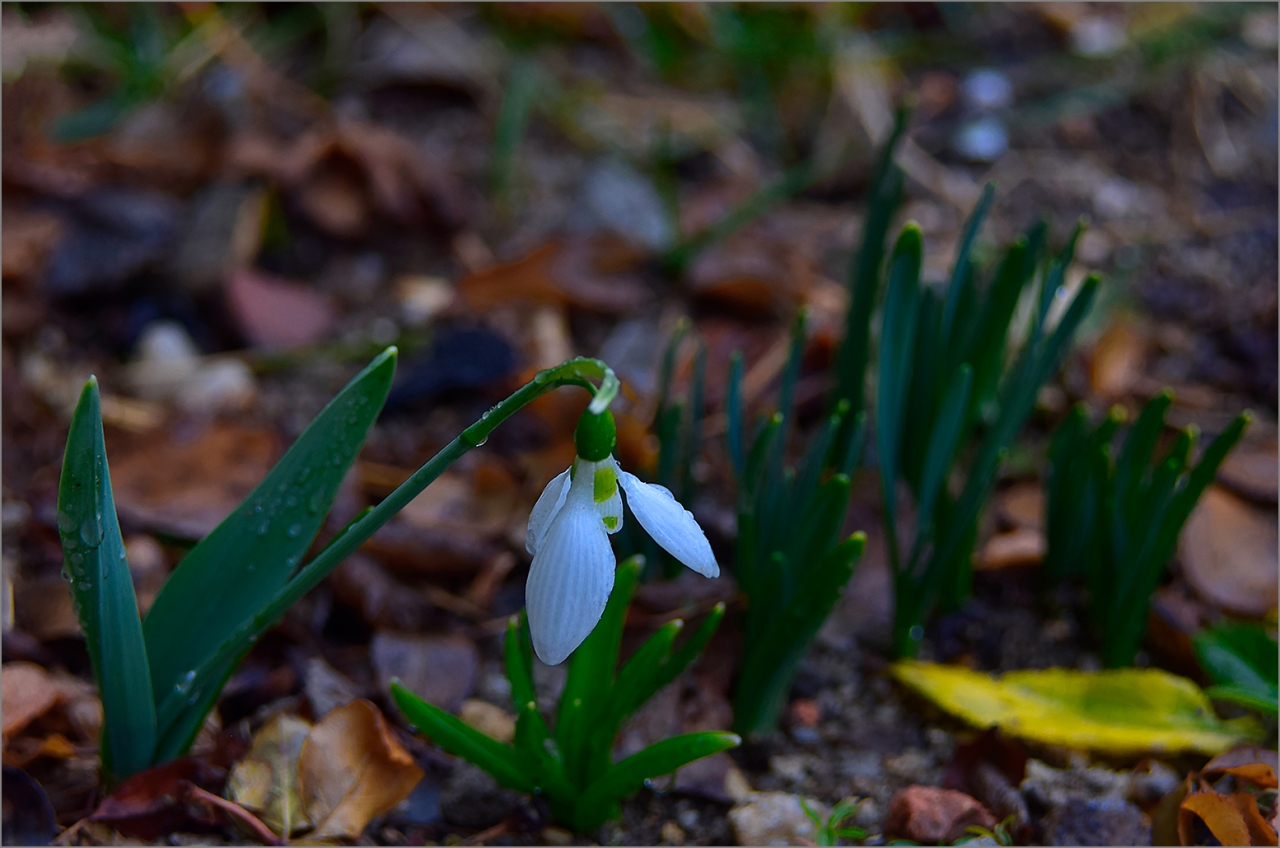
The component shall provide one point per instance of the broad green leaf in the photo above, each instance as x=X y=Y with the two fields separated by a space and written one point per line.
x=462 y=740
x=102 y=589
x=661 y=758
x=231 y=574
x=1242 y=659
x=1123 y=713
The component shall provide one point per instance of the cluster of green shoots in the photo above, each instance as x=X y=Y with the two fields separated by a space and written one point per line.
x=1114 y=519
x=572 y=767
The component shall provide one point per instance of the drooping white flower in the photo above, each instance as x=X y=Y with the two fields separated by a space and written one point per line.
x=573 y=563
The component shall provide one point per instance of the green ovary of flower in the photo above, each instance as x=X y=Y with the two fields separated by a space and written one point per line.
x=595 y=436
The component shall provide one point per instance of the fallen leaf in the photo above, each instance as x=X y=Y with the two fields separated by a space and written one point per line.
x=26 y=750
x=277 y=314
x=186 y=489
x=1252 y=471
x=1116 y=367
x=1261 y=832
x=1022 y=505
x=929 y=815
x=557 y=273
x=28 y=693
x=1121 y=712
x=1024 y=546
x=153 y=803
x=1248 y=762
x=1219 y=813
x=1229 y=550
x=266 y=780
x=352 y=769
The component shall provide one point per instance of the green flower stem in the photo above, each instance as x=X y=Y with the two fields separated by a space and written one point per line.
x=575 y=372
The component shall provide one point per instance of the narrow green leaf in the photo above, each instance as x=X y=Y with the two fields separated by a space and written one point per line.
x=897 y=342
x=962 y=268
x=461 y=740
x=942 y=448
x=1135 y=456
x=790 y=375
x=733 y=414
x=591 y=675
x=639 y=676
x=539 y=761
x=769 y=665
x=519 y=657
x=661 y=758
x=94 y=563
x=228 y=577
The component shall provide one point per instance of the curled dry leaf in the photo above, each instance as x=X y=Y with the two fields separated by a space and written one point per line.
x=352 y=769
x=29 y=692
x=1247 y=762
x=930 y=815
x=266 y=780
x=1232 y=819
x=277 y=314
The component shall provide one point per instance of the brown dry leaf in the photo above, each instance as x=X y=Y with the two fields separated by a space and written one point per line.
x=26 y=750
x=276 y=314
x=44 y=609
x=1252 y=470
x=1260 y=831
x=557 y=273
x=186 y=489
x=1219 y=813
x=1248 y=762
x=345 y=171
x=28 y=237
x=1024 y=546
x=1116 y=366
x=28 y=693
x=1022 y=505
x=1229 y=550
x=352 y=769
x=266 y=780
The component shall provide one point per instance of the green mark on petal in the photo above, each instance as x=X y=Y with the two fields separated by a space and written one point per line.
x=606 y=483
x=611 y=521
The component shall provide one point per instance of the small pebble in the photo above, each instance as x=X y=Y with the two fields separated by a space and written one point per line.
x=672 y=834
x=987 y=90
x=983 y=140
x=556 y=836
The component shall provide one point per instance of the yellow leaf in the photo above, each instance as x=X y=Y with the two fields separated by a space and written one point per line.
x=1125 y=711
x=351 y=769
x=266 y=780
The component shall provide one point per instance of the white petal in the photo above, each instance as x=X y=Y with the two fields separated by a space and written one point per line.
x=549 y=503
x=670 y=524
x=570 y=578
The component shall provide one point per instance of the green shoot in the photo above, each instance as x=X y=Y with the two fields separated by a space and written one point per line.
x=1115 y=520
x=948 y=408
x=572 y=767
x=829 y=831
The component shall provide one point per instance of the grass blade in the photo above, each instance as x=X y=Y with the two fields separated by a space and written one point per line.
x=942 y=448
x=94 y=562
x=960 y=272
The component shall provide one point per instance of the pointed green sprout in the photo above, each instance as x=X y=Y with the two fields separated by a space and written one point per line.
x=572 y=768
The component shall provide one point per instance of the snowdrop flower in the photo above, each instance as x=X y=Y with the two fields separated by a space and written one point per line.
x=573 y=562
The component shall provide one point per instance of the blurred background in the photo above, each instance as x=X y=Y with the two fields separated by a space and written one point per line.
x=224 y=210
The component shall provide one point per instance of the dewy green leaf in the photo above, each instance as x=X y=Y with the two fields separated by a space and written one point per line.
x=225 y=579
x=94 y=563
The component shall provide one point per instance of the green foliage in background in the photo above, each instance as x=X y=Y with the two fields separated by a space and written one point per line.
x=950 y=401
x=790 y=558
x=1115 y=520
x=1242 y=660
x=158 y=679
x=572 y=767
